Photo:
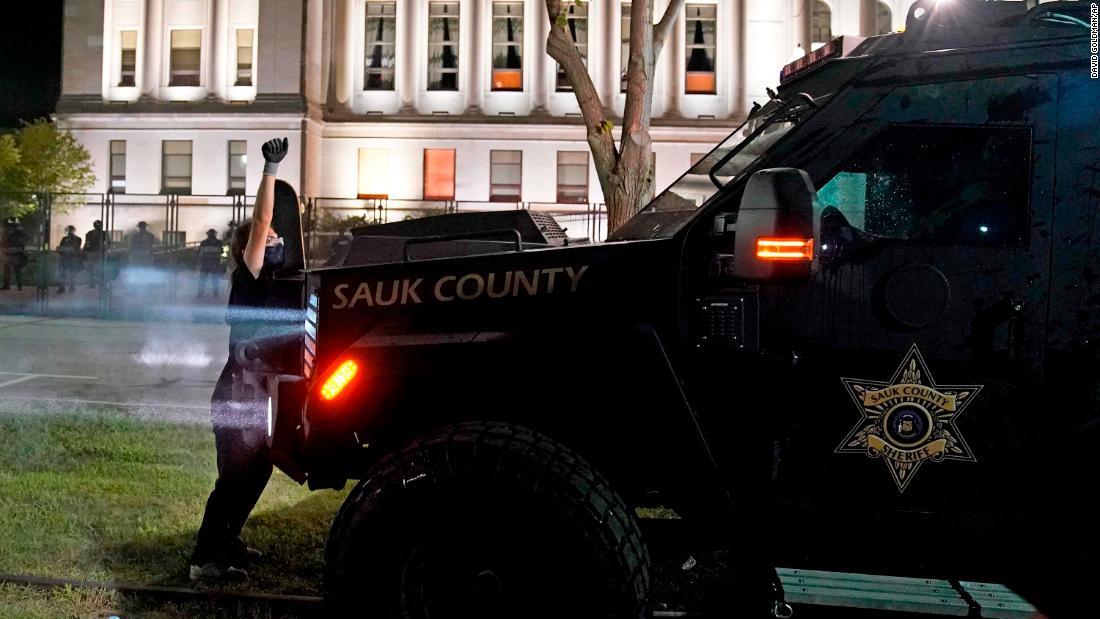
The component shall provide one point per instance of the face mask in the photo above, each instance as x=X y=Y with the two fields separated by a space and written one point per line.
x=273 y=255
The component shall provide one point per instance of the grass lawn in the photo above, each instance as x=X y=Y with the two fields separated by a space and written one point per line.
x=108 y=498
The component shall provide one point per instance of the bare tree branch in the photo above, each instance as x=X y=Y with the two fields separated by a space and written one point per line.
x=626 y=172
x=664 y=27
x=561 y=47
x=639 y=74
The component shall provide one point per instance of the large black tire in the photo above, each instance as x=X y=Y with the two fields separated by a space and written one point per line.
x=485 y=520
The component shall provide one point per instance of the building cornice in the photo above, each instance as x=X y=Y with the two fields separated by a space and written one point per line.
x=541 y=119
x=161 y=123
x=526 y=132
x=264 y=104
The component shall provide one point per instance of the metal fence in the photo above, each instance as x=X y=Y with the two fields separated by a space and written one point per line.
x=180 y=222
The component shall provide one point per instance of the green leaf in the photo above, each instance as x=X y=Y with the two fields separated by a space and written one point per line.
x=40 y=158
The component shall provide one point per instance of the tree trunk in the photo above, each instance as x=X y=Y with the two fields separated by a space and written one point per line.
x=625 y=173
x=629 y=188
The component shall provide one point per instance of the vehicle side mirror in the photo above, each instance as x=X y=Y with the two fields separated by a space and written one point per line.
x=775 y=227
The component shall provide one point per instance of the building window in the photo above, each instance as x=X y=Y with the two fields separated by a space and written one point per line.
x=573 y=177
x=128 y=58
x=702 y=21
x=883 y=19
x=381 y=46
x=118 y=166
x=624 y=45
x=185 y=58
x=244 y=58
x=577 y=26
x=374 y=173
x=506 y=176
x=821 y=27
x=176 y=166
x=237 y=160
x=439 y=174
x=507 y=46
x=443 y=46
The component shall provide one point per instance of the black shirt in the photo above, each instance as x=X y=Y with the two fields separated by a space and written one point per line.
x=93 y=241
x=247 y=298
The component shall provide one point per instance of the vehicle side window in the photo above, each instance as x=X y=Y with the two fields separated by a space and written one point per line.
x=931 y=185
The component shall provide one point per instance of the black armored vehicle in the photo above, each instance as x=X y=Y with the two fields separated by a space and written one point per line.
x=863 y=333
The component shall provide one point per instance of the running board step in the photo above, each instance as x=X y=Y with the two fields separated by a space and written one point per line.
x=900 y=594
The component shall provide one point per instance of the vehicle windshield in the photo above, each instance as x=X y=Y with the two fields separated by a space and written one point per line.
x=670 y=210
x=695 y=187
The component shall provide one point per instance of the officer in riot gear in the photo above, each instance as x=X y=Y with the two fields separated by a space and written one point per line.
x=13 y=253
x=95 y=243
x=244 y=463
x=68 y=252
x=141 y=245
x=210 y=263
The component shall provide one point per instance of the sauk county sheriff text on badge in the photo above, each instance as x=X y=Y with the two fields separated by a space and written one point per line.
x=466 y=287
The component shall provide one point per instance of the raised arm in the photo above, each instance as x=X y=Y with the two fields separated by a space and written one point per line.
x=273 y=151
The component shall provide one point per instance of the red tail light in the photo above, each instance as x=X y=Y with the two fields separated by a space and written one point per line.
x=769 y=248
x=339 y=379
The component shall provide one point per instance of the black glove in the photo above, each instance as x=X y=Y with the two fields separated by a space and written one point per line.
x=273 y=151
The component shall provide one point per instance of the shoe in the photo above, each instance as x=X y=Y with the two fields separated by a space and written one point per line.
x=217 y=573
x=5 y=287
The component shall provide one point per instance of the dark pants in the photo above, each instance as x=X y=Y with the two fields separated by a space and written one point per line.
x=212 y=277
x=244 y=466
x=94 y=260
x=10 y=269
x=68 y=275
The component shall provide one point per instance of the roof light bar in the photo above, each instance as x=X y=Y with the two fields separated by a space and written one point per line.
x=837 y=48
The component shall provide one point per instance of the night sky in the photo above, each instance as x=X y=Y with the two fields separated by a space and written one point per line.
x=30 y=60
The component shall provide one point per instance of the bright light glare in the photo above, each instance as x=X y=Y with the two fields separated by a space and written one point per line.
x=984 y=228
x=339 y=379
x=784 y=249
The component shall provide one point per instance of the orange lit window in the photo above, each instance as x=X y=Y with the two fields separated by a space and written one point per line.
x=439 y=174
x=702 y=24
x=507 y=46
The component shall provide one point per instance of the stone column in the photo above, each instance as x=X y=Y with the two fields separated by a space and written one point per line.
x=345 y=51
x=736 y=104
x=476 y=55
x=867 y=10
x=216 y=35
x=541 y=66
x=674 y=59
x=802 y=22
x=408 y=51
x=153 y=44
